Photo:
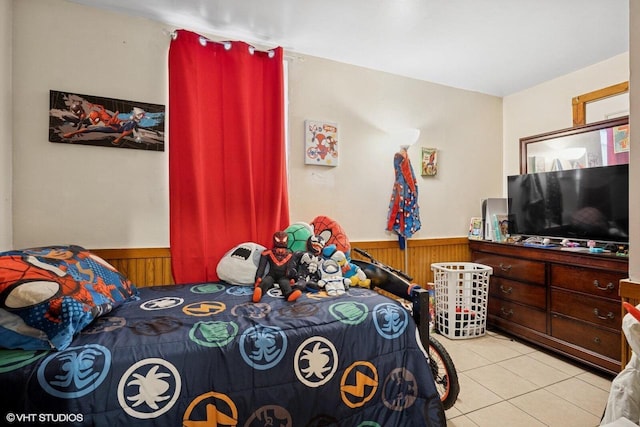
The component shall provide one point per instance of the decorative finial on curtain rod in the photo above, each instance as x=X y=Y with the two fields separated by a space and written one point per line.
x=173 y=34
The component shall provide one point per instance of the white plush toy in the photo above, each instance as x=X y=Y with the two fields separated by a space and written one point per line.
x=331 y=278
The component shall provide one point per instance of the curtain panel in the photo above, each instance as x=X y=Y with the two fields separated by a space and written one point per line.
x=227 y=160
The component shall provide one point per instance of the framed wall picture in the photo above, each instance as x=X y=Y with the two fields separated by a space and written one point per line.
x=621 y=139
x=429 y=161
x=105 y=122
x=321 y=143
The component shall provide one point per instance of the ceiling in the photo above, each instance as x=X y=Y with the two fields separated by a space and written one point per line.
x=497 y=47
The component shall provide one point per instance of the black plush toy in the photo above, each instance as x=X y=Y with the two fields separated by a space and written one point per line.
x=307 y=264
x=276 y=266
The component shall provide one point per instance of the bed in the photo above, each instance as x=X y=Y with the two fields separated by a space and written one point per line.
x=204 y=355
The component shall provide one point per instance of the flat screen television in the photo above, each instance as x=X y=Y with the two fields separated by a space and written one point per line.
x=577 y=204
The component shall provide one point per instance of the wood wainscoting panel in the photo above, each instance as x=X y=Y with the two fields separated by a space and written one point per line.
x=143 y=266
x=152 y=266
x=421 y=253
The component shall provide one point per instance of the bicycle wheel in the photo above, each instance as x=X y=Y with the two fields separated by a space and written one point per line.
x=444 y=373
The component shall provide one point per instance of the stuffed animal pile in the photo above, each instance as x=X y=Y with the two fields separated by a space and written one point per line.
x=305 y=257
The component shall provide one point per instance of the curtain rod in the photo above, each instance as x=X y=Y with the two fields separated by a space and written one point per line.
x=227 y=44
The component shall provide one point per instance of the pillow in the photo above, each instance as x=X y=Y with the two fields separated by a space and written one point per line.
x=49 y=294
x=239 y=265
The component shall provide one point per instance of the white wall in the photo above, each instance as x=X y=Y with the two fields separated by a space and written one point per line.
x=464 y=126
x=6 y=19
x=106 y=197
x=93 y=196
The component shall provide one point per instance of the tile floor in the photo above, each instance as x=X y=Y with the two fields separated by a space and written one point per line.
x=505 y=382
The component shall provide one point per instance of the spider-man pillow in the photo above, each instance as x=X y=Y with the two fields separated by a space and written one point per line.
x=49 y=294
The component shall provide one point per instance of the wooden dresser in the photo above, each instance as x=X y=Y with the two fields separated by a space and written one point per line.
x=564 y=301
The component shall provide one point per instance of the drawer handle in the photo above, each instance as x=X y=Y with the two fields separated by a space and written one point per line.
x=609 y=287
x=506 y=313
x=596 y=340
x=505 y=268
x=506 y=291
x=609 y=315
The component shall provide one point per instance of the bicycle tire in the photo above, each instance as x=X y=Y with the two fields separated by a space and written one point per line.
x=444 y=373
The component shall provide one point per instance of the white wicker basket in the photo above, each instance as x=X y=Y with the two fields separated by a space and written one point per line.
x=461 y=298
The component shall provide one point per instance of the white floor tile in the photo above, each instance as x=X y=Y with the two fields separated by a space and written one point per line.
x=473 y=395
x=504 y=382
x=533 y=370
x=553 y=410
x=504 y=414
x=584 y=395
x=501 y=381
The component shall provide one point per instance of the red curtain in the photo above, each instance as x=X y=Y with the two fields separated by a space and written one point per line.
x=227 y=160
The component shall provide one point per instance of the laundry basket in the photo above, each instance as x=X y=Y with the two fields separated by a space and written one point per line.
x=461 y=298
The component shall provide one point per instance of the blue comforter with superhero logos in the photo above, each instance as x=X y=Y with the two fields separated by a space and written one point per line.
x=205 y=355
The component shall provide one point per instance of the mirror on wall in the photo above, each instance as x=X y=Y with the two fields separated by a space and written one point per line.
x=597 y=144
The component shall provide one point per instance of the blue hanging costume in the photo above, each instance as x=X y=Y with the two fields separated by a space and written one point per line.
x=404 y=213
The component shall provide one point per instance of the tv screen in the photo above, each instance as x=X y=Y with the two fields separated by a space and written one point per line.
x=578 y=204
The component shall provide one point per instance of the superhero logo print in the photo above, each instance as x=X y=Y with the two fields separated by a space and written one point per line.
x=263 y=347
x=275 y=292
x=368 y=424
x=10 y=360
x=359 y=384
x=74 y=372
x=149 y=388
x=319 y=296
x=270 y=415
x=299 y=310
x=400 y=390
x=253 y=310
x=207 y=288
x=104 y=324
x=213 y=334
x=240 y=291
x=162 y=303
x=156 y=326
x=211 y=409
x=349 y=312
x=315 y=361
x=204 y=308
x=390 y=320
x=361 y=292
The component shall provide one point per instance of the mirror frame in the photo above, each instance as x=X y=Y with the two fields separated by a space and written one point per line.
x=579 y=103
x=524 y=142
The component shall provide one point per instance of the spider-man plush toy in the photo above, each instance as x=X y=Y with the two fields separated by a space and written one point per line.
x=276 y=266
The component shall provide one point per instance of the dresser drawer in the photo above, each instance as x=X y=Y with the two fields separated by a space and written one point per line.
x=591 y=281
x=601 y=341
x=600 y=311
x=533 y=295
x=513 y=268
x=517 y=313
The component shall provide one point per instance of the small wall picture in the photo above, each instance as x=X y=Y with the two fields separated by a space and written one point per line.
x=429 y=161
x=621 y=139
x=107 y=122
x=321 y=143
x=476 y=231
